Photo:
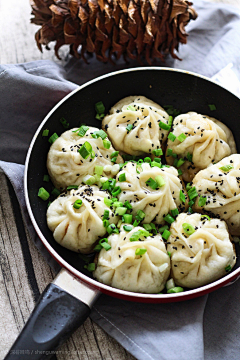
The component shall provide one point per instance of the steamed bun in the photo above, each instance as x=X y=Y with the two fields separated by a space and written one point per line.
x=222 y=189
x=208 y=141
x=145 y=136
x=79 y=229
x=67 y=167
x=121 y=268
x=155 y=203
x=202 y=257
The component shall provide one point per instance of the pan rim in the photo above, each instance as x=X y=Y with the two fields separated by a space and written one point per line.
x=127 y=294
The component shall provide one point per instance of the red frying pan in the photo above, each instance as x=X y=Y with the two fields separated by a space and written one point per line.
x=66 y=302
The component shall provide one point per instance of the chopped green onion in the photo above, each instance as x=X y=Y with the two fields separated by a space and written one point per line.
x=70 y=187
x=92 y=154
x=114 y=159
x=140 y=215
x=114 y=154
x=106 y=144
x=171 y=136
x=127 y=218
x=189 y=157
x=191 y=203
x=106 y=214
x=104 y=243
x=131 y=108
x=170 y=120
x=157 y=152
x=112 y=229
x=175 y=212
x=106 y=246
x=212 y=107
x=182 y=197
x=228 y=268
x=89 y=180
x=109 y=185
x=188 y=186
x=121 y=165
x=147 y=227
x=181 y=137
x=129 y=127
x=155 y=163
x=53 y=138
x=203 y=217
x=154 y=230
x=117 y=204
x=55 y=192
x=171 y=153
x=138 y=234
x=46 y=178
x=127 y=227
x=99 y=116
x=85 y=150
x=85 y=258
x=99 y=107
x=136 y=223
x=122 y=177
x=64 y=123
x=152 y=183
x=226 y=167
x=179 y=172
x=77 y=204
x=150 y=227
x=98 y=248
x=171 y=110
x=157 y=160
x=175 y=162
x=119 y=224
x=82 y=130
x=43 y=194
x=190 y=210
x=164 y=126
x=45 y=132
x=120 y=211
x=105 y=223
x=147 y=159
x=175 y=290
x=160 y=180
x=140 y=251
x=169 y=254
x=98 y=170
x=128 y=205
x=180 y=162
x=202 y=201
x=166 y=234
x=90 y=267
x=169 y=219
x=192 y=193
x=99 y=133
x=116 y=191
x=163 y=228
x=188 y=228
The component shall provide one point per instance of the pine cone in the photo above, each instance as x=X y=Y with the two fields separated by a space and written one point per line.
x=135 y=29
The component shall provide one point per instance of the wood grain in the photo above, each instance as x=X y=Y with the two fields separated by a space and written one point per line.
x=17 y=300
x=89 y=342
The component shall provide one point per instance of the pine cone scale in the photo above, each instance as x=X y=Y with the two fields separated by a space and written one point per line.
x=130 y=28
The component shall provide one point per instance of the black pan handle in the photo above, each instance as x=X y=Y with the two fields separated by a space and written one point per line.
x=63 y=306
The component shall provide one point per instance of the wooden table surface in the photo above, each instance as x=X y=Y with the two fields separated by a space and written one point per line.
x=17 y=45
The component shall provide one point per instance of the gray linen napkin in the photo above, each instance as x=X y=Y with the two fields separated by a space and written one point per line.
x=203 y=328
